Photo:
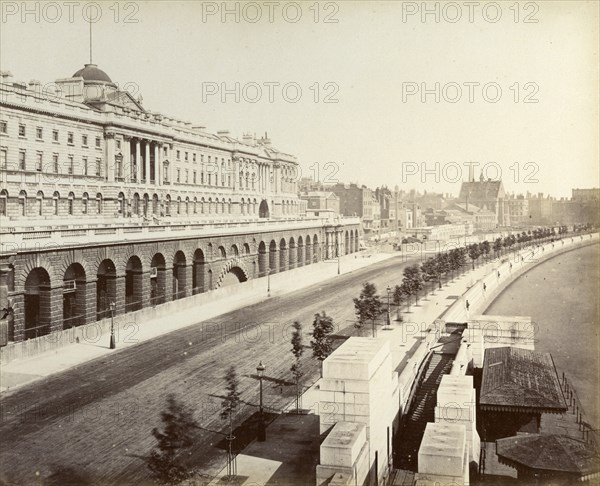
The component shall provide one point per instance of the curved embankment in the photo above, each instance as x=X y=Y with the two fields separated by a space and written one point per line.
x=561 y=297
x=506 y=271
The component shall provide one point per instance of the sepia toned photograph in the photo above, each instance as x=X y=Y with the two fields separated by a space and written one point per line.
x=299 y=243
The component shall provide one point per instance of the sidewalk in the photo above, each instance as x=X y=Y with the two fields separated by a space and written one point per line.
x=272 y=462
x=19 y=372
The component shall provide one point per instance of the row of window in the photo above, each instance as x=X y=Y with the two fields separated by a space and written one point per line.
x=89 y=167
x=39 y=135
x=138 y=205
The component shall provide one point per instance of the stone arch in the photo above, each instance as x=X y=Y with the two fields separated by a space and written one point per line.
x=234 y=251
x=308 y=251
x=179 y=275
x=263 y=259
x=198 y=269
x=221 y=252
x=246 y=249
x=158 y=279
x=235 y=266
x=134 y=285
x=106 y=287
x=273 y=257
x=74 y=296
x=283 y=255
x=292 y=253
x=300 y=252
x=37 y=261
x=37 y=303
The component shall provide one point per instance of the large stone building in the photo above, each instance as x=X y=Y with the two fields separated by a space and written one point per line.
x=356 y=200
x=486 y=194
x=103 y=201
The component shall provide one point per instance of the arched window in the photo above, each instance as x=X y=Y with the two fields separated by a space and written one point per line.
x=84 y=202
x=178 y=204
x=155 y=204
x=242 y=206
x=23 y=203
x=55 y=203
x=40 y=203
x=209 y=205
x=229 y=206
x=136 y=203
x=168 y=205
x=121 y=200
x=99 y=203
x=71 y=203
x=202 y=206
x=146 y=204
x=3 y=201
x=187 y=205
x=195 y=205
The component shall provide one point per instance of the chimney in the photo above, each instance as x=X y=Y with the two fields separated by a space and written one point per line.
x=471 y=173
x=248 y=138
x=6 y=77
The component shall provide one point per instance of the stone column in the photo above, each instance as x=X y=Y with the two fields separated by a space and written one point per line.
x=51 y=308
x=115 y=292
x=147 y=162
x=168 y=283
x=127 y=170
x=88 y=309
x=110 y=156
x=138 y=161
x=157 y=164
x=309 y=254
x=4 y=304
x=292 y=257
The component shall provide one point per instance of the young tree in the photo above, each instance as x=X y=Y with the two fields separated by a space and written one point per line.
x=398 y=297
x=322 y=343
x=429 y=271
x=167 y=460
x=498 y=246
x=413 y=280
x=229 y=405
x=297 y=351
x=473 y=254
x=368 y=306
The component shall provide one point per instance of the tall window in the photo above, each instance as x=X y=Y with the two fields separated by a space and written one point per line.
x=55 y=135
x=71 y=203
x=40 y=203
x=178 y=175
x=23 y=203
x=55 y=203
x=3 y=198
x=84 y=140
x=38 y=162
x=22 y=159
x=166 y=172
x=3 y=127
x=85 y=165
x=21 y=130
x=98 y=167
x=70 y=138
x=55 y=163
x=70 y=166
x=99 y=203
x=3 y=158
x=98 y=142
x=84 y=202
x=39 y=133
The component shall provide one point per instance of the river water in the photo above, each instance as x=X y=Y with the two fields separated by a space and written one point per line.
x=561 y=295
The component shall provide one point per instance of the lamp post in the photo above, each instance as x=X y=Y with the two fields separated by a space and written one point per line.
x=260 y=369
x=112 y=325
x=388 y=317
x=269 y=282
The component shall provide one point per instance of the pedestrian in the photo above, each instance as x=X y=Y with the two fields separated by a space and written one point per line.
x=467 y=305
x=484 y=287
x=498 y=274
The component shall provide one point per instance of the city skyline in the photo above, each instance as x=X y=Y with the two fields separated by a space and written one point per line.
x=563 y=125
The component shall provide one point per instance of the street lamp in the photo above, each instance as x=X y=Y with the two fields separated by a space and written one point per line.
x=260 y=369
x=113 y=306
x=388 y=317
x=269 y=282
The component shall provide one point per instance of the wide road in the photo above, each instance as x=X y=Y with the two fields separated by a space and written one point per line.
x=93 y=423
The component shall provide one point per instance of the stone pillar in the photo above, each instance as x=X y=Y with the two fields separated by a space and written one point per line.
x=18 y=318
x=110 y=156
x=115 y=292
x=157 y=164
x=88 y=309
x=300 y=251
x=309 y=255
x=168 y=283
x=283 y=259
x=127 y=174
x=188 y=280
x=147 y=162
x=51 y=308
x=138 y=161
x=8 y=322
x=292 y=257
x=274 y=261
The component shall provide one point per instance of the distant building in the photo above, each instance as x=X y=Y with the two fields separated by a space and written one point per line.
x=586 y=194
x=321 y=200
x=540 y=209
x=486 y=194
x=356 y=200
x=518 y=207
x=481 y=219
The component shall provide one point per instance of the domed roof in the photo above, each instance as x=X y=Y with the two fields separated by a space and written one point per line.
x=91 y=73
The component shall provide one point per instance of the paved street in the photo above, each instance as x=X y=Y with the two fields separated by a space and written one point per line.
x=94 y=422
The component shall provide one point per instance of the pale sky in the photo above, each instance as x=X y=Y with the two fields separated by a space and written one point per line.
x=365 y=61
